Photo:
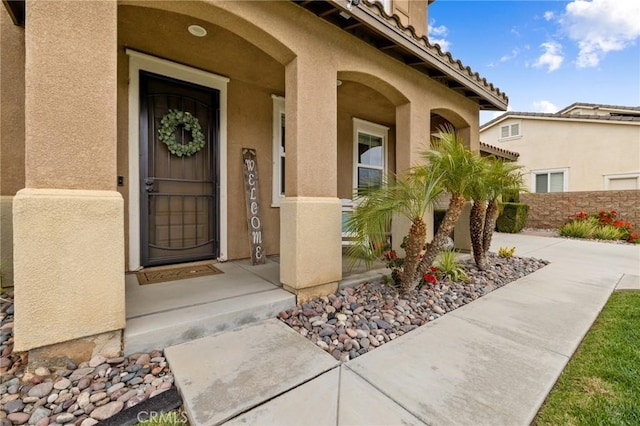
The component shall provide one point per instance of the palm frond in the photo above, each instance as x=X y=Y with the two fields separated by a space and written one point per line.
x=458 y=166
x=370 y=222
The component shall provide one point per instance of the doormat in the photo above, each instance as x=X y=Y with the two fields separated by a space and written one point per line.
x=164 y=274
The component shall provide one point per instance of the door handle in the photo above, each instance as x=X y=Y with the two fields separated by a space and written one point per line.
x=149 y=185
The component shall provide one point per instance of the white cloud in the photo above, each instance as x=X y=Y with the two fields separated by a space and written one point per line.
x=551 y=58
x=601 y=26
x=548 y=15
x=511 y=55
x=544 y=106
x=437 y=34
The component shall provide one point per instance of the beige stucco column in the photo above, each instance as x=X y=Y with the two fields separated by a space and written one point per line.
x=68 y=221
x=412 y=139
x=310 y=229
x=11 y=135
x=461 y=233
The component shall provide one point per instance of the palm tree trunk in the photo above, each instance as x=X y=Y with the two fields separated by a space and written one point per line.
x=476 y=229
x=491 y=217
x=416 y=238
x=456 y=205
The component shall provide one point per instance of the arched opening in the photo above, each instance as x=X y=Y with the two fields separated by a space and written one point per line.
x=441 y=117
x=254 y=76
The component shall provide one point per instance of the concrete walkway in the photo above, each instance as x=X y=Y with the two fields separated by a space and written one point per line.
x=491 y=362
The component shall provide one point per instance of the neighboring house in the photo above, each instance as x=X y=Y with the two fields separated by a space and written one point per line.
x=583 y=147
x=89 y=191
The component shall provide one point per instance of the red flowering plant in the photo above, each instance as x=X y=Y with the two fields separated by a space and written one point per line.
x=429 y=278
x=609 y=219
x=396 y=264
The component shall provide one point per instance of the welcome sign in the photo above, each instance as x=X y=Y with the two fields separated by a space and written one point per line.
x=254 y=219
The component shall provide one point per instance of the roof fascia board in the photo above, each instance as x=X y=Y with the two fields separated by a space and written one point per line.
x=558 y=118
x=499 y=152
x=600 y=107
x=385 y=29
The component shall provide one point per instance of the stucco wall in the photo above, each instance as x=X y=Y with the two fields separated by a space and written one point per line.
x=68 y=227
x=11 y=105
x=552 y=210
x=588 y=149
x=256 y=73
x=66 y=149
x=11 y=135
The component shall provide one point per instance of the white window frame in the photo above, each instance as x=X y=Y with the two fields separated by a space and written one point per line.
x=511 y=135
x=140 y=61
x=565 y=178
x=613 y=176
x=373 y=129
x=278 y=152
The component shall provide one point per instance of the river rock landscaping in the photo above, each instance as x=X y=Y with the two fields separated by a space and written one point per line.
x=359 y=319
x=348 y=324
x=80 y=395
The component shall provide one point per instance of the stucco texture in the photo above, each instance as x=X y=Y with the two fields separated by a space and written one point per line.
x=11 y=134
x=11 y=105
x=258 y=46
x=588 y=149
x=70 y=75
x=309 y=257
x=6 y=241
x=68 y=258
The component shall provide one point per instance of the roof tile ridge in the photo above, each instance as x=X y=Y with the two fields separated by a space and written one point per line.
x=378 y=8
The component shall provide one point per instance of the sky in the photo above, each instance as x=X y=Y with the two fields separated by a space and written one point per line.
x=545 y=54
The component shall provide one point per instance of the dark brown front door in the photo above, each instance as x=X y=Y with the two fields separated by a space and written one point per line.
x=180 y=203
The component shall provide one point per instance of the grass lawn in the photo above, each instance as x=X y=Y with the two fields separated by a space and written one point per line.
x=601 y=383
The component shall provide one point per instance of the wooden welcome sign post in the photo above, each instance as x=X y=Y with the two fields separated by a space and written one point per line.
x=254 y=219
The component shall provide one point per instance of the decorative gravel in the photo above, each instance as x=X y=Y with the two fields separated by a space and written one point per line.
x=347 y=325
x=78 y=395
x=359 y=319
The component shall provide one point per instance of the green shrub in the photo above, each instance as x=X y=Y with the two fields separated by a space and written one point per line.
x=449 y=267
x=512 y=218
x=608 y=232
x=511 y=196
x=579 y=228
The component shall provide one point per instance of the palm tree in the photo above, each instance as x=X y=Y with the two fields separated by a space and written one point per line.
x=479 y=191
x=458 y=167
x=411 y=197
x=503 y=176
x=498 y=177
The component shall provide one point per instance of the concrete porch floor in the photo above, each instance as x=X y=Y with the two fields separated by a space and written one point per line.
x=169 y=313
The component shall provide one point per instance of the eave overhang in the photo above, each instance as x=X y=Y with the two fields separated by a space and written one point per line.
x=369 y=22
x=16 y=9
x=499 y=152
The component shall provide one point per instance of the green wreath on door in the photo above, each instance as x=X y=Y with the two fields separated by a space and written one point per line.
x=167 y=133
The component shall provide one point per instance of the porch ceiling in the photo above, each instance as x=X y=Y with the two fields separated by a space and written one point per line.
x=370 y=23
x=16 y=9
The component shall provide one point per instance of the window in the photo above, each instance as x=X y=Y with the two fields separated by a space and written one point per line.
x=550 y=180
x=510 y=131
x=370 y=145
x=622 y=181
x=278 y=150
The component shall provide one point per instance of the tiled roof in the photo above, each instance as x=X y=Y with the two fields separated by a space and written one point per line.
x=490 y=149
x=598 y=106
x=557 y=115
x=368 y=21
x=410 y=32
